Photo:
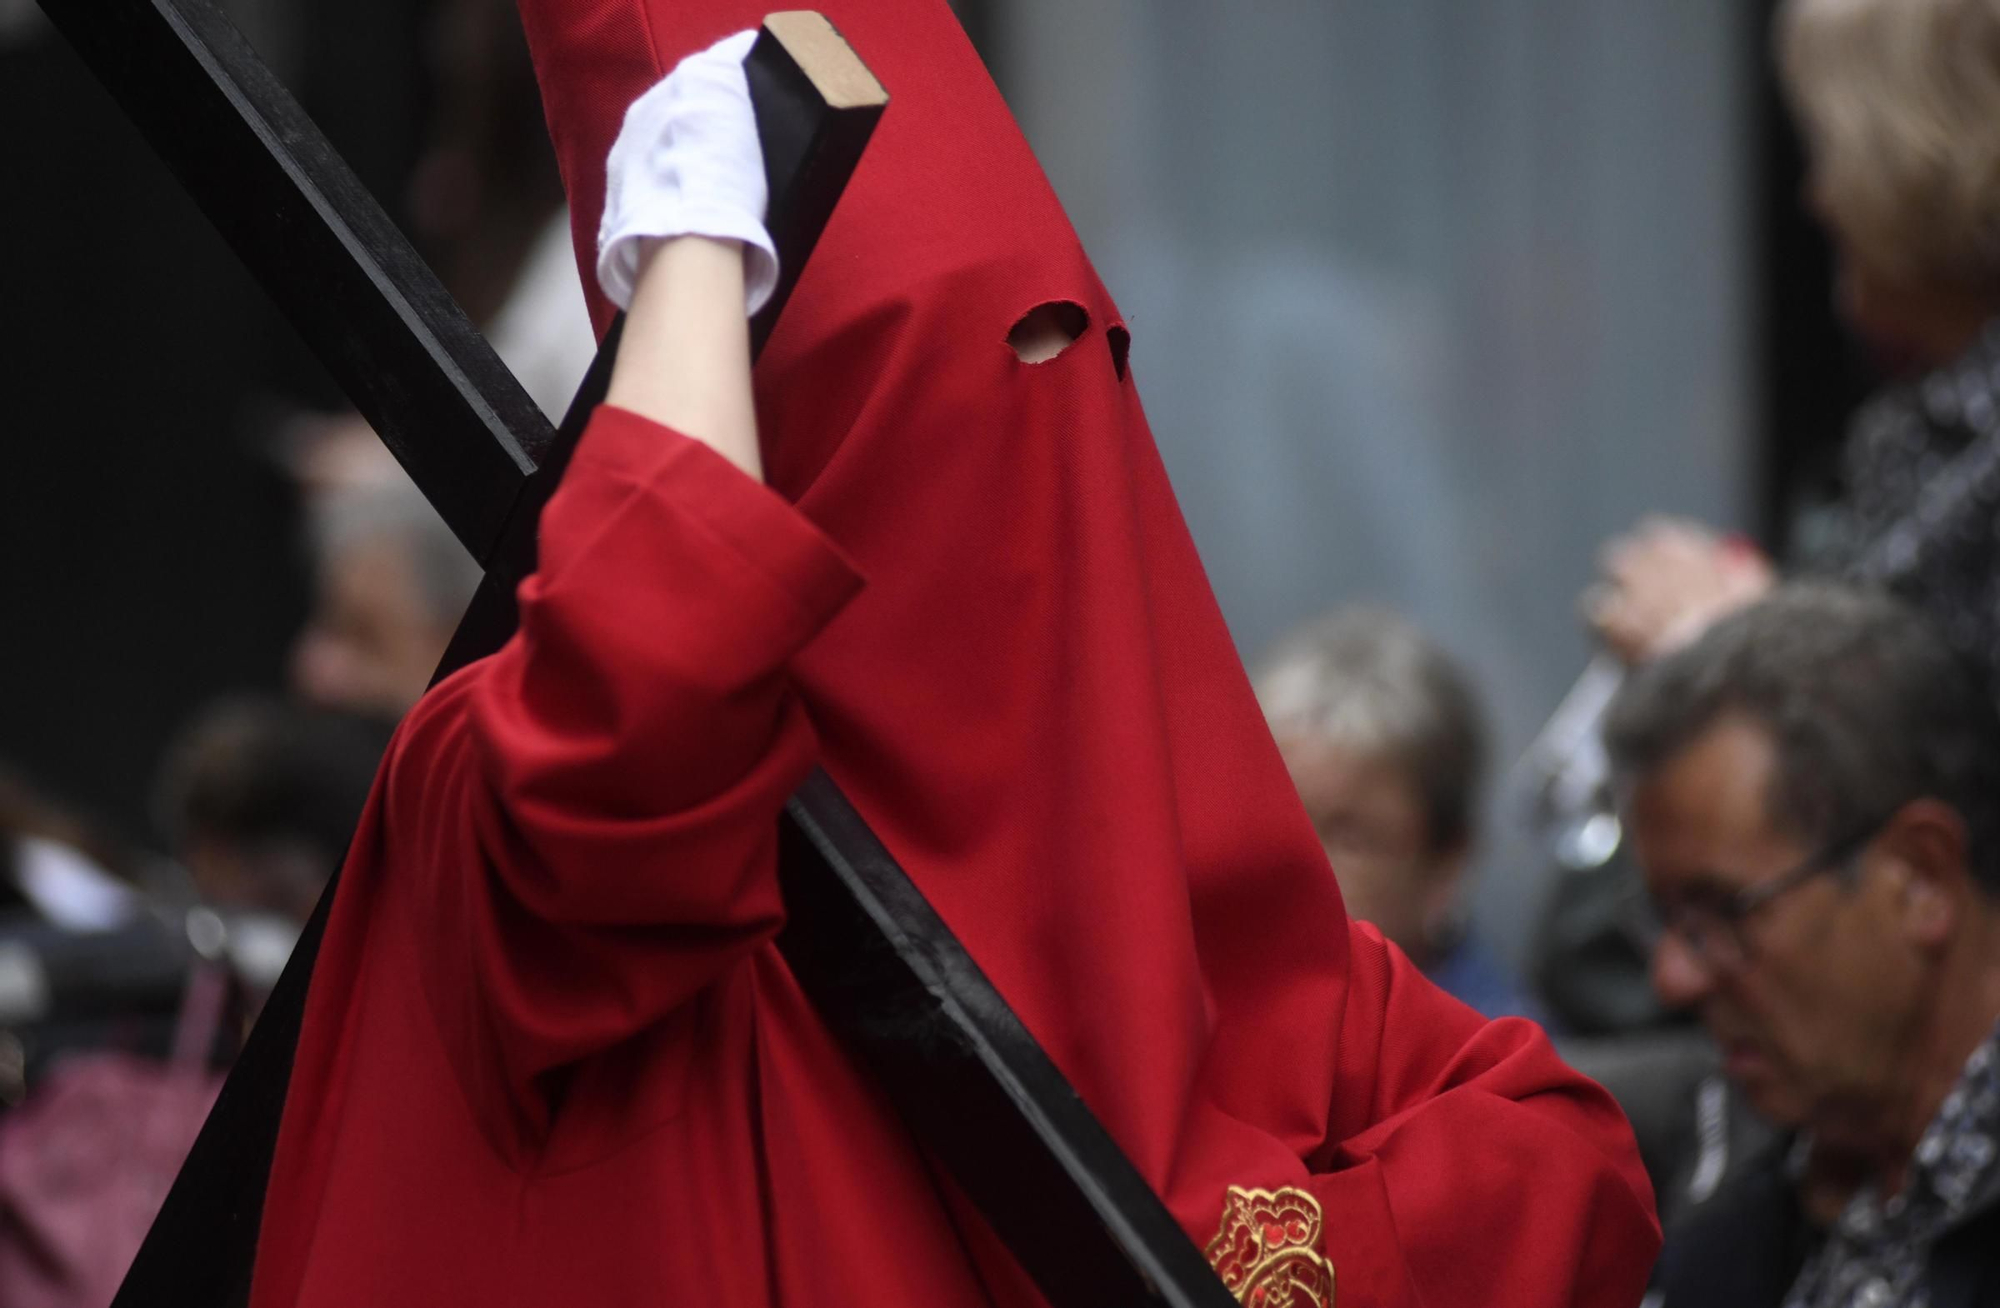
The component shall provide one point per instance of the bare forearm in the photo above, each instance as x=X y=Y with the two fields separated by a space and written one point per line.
x=685 y=358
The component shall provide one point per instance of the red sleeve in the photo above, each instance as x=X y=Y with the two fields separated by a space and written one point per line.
x=601 y=796
x=1471 y=1164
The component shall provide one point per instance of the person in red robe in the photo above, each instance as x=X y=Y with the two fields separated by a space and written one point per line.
x=551 y=1053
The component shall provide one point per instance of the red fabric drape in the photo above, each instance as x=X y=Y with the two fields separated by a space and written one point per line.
x=1034 y=702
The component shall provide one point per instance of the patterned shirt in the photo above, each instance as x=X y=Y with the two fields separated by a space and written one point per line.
x=1877 y=1251
x=1920 y=515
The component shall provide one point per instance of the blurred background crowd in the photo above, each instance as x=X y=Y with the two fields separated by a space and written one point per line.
x=1589 y=416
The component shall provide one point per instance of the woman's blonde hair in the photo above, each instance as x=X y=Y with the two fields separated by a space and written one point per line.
x=1899 y=101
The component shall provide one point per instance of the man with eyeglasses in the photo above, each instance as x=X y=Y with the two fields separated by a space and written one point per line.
x=1813 y=792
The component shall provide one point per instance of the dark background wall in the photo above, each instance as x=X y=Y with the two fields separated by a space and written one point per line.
x=148 y=546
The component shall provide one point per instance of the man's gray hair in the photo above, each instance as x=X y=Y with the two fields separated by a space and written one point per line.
x=392 y=508
x=1368 y=681
x=1866 y=706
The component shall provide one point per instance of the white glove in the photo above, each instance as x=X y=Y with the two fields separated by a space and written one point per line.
x=687 y=162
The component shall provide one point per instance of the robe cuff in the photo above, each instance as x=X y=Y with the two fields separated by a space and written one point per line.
x=753 y=521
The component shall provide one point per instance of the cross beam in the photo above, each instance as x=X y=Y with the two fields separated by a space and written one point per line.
x=883 y=970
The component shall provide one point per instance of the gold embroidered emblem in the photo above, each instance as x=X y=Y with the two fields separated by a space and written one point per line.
x=1267 y=1251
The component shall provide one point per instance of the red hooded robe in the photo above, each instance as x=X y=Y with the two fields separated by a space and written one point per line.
x=551 y=1055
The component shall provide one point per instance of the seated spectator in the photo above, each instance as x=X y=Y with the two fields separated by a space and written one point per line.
x=1813 y=793
x=85 y=963
x=391 y=580
x=1897 y=103
x=257 y=798
x=1385 y=744
x=55 y=867
x=107 y=1088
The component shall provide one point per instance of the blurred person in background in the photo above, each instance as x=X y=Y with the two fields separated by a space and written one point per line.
x=1813 y=791
x=112 y=1028
x=484 y=187
x=73 y=897
x=92 y=986
x=1385 y=743
x=486 y=204
x=108 y=1088
x=1898 y=102
x=1899 y=105
x=257 y=799
x=59 y=869
x=390 y=580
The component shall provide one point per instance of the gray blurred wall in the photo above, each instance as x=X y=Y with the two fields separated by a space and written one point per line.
x=1428 y=297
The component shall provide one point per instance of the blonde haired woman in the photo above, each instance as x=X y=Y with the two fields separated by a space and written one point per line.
x=1899 y=105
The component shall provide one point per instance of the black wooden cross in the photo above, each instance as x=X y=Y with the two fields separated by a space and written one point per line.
x=882 y=969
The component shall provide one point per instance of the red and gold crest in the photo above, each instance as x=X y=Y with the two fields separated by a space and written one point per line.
x=1267 y=1250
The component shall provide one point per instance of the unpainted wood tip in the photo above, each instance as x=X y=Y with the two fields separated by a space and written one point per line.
x=826 y=58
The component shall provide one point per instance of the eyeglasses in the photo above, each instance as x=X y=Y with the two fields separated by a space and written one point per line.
x=1712 y=926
